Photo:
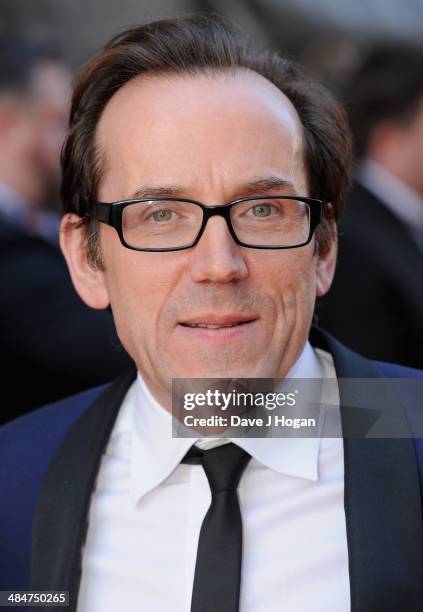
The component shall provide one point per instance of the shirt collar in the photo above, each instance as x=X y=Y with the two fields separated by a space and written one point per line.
x=298 y=457
x=155 y=454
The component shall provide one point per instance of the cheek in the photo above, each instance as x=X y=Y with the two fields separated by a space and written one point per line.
x=291 y=277
x=139 y=285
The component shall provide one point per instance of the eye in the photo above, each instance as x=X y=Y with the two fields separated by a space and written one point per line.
x=164 y=214
x=262 y=210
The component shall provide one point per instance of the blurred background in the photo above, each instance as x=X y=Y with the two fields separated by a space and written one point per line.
x=324 y=34
x=368 y=52
x=297 y=26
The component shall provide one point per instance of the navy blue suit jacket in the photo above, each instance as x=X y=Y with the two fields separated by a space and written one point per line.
x=49 y=461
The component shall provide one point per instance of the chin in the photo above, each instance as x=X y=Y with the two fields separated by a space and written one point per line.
x=222 y=372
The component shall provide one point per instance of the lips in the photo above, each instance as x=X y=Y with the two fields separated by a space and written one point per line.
x=211 y=326
x=212 y=321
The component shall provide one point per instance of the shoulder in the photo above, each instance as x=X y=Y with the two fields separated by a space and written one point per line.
x=394 y=370
x=27 y=446
x=407 y=384
x=40 y=432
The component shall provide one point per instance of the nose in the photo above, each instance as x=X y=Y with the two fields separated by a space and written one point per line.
x=216 y=257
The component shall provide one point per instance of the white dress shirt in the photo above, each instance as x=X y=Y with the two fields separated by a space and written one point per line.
x=147 y=508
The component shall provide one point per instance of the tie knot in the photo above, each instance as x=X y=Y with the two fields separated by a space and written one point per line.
x=223 y=465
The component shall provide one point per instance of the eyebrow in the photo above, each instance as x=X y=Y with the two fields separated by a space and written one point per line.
x=269 y=183
x=157 y=191
x=257 y=186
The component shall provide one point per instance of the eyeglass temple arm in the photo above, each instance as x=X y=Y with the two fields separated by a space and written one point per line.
x=101 y=212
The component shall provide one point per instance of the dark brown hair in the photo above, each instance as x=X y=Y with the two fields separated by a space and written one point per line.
x=193 y=45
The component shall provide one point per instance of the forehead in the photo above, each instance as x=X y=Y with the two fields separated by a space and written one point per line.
x=192 y=129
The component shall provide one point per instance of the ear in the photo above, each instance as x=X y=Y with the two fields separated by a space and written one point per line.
x=88 y=281
x=326 y=263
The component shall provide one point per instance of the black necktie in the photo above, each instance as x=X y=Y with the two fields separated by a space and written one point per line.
x=217 y=578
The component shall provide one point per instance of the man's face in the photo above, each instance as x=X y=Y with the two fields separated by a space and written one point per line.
x=209 y=137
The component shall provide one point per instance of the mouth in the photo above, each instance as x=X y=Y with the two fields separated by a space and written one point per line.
x=215 y=322
x=219 y=331
x=214 y=326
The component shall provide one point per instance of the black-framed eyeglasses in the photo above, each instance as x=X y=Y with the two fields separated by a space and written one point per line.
x=174 y=224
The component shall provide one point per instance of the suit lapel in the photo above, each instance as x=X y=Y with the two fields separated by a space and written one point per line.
x=383 y=505
x=61 y=517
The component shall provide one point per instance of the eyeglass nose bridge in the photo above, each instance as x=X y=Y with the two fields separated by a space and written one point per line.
x=222 y=210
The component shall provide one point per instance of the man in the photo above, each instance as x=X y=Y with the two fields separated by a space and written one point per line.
x=58 y=344
x=381 y=246
x=170 y=122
